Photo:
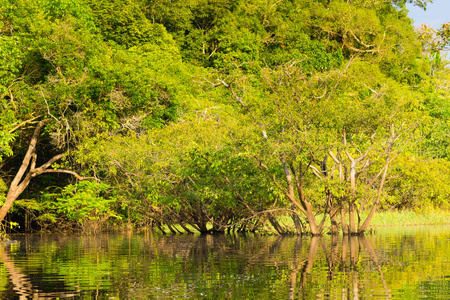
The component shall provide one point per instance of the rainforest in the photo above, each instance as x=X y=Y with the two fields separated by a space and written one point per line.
x=280 y=117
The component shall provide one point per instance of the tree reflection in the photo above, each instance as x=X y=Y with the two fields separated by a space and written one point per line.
x=210 y=267
x=374 y=258
x=342 y=265
x=22 y=284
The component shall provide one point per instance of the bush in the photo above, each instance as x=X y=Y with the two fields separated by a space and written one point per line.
x=86 y=204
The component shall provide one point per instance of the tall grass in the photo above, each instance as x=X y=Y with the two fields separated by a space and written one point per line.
x=409 y=217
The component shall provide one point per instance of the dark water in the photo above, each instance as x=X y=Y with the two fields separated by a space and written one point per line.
x=393 y=263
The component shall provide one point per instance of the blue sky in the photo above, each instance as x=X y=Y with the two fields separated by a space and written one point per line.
x=437 y=13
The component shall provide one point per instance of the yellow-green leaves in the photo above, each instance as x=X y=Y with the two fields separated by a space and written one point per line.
x=85 y=201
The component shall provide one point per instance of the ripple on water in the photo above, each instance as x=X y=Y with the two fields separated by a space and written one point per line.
x=395 y=264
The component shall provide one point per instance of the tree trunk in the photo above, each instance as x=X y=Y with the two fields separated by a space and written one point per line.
x=296 y=219
x=17 y=187
x=389 y=158
x=20 y=182
x=276 y=225
x=343 y=222
x=351 y=218
x=351 y=204
x=287 y=173
x=315 y=230
x=366 y=223
x=334 y=222
x=339 y=205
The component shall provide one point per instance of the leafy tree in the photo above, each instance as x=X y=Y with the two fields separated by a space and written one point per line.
x=78 y=85
x=418 y=183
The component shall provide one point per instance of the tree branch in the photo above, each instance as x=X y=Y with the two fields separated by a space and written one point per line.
x=280 y=187
x=28 y=155
x=24 y=123
x=47 y=164
x=316 y=172
x=233 y=93
x=75 y=174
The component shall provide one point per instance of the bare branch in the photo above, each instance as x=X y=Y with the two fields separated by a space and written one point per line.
x=48 y=163
x=233 y=93
x=75 y=174
x=334 y=157
x=359 y=40
x=323 y=95
x=361 y=51
x=48 y=108
x=316 y=171
x=24 y=123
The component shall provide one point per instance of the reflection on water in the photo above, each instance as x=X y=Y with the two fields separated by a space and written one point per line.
x=406 y=263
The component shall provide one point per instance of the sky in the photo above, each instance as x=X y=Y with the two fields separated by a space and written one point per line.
x=437 y=13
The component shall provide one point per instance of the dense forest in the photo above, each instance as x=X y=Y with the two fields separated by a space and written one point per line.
x=296 y=116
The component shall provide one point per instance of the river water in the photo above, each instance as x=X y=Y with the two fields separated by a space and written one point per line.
x=392 y=263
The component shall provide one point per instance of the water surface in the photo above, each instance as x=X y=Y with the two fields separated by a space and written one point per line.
x=393 y=263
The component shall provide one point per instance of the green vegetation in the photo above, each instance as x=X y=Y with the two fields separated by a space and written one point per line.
x=411 y=218
x=180 y=114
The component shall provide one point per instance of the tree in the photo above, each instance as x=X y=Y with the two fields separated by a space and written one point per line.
x=65 y=74
x=28 y=170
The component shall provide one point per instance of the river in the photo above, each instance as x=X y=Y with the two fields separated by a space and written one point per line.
x=392 y=263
